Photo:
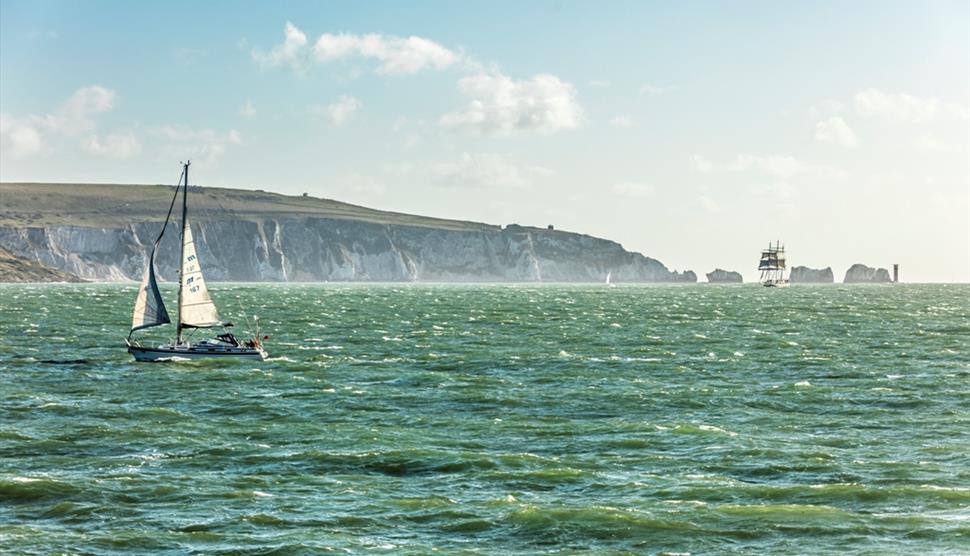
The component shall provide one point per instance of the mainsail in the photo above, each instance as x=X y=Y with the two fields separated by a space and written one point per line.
x=196 y=309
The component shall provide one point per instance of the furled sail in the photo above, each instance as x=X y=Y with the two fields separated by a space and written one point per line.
x=196 y=309
x=149 y=308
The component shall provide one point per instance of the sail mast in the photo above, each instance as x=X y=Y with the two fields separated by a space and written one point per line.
x=185 y=222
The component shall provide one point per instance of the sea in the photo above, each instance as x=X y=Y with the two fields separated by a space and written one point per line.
x=493 y=419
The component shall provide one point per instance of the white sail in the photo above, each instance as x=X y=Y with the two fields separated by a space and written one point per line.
x=196 y=308
x=149 y=308
x=609 y=276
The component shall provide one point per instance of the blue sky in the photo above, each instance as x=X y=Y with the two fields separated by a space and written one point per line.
x=693 y=132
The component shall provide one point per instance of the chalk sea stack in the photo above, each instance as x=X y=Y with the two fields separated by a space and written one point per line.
x=105 y=232
x=862 y=274
x=806 y=275
x=721 y=276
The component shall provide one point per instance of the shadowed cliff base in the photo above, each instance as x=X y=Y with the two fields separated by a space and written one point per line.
x=104 y=232
x=19 y=269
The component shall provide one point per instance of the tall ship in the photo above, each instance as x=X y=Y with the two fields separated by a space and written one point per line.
x=196 y=310
x=773 y=266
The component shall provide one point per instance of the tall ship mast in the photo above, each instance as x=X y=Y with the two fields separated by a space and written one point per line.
x=773 y=266
x=196 y=310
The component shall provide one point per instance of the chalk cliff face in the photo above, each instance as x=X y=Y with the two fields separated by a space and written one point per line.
x=806 y=275
x=720 y=276
x=320 y=249
x=862 y=274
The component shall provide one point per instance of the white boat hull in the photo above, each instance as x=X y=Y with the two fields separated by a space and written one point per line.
x=776 y=284
x=170 y=352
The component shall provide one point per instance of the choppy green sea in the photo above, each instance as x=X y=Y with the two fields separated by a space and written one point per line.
x=553 y=419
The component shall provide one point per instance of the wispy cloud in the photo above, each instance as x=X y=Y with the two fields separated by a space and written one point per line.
x=835 y=130
x=621 y=121
x=203 y=144
x=114 y=145
x=906 y=108
x=485 y=170
x=247 y=110
x=635 y=190
x=701 y=164
x=775 y=166
x=648 y=89
x=26 y=135
x=339 y=112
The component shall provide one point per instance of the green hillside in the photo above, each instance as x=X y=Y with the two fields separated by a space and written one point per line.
x=108 y=206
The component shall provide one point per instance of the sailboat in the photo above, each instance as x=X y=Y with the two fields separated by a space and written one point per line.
x=609 y=280
x=195 y=307
x=773 y=266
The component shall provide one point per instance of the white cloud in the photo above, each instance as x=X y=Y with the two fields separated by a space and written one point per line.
x=75 y=114
x=499 y=104
x=398 y=56
x=906 y=108
x=340 y=111
x=835 y=130
x=205 y=145
x=247 y=110
x=701 y=164
x=292 y=52
x=775 y=165
x=485 y=170
x=786 y=168
x=115 y=145
x=19 y=137
x=25 y=135
x=621 y=121
x=636 y=190
x=648 y=89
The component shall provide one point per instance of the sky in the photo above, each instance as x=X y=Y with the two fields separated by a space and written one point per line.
x=693 y=132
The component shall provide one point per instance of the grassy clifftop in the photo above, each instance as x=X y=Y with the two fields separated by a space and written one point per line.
x=109 y=206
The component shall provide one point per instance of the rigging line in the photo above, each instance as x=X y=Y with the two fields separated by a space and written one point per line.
x=170 y=207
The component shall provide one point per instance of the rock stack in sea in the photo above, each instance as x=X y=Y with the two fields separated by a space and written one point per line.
x=806 y=275
x=721 y=276
x=862 y=274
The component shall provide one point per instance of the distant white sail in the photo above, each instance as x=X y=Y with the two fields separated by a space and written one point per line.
x=149 y=308
x=196 y=307
x=609 y=276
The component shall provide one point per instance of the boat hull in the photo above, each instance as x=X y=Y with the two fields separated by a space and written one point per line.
x=776 y=284
x=169 y=353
